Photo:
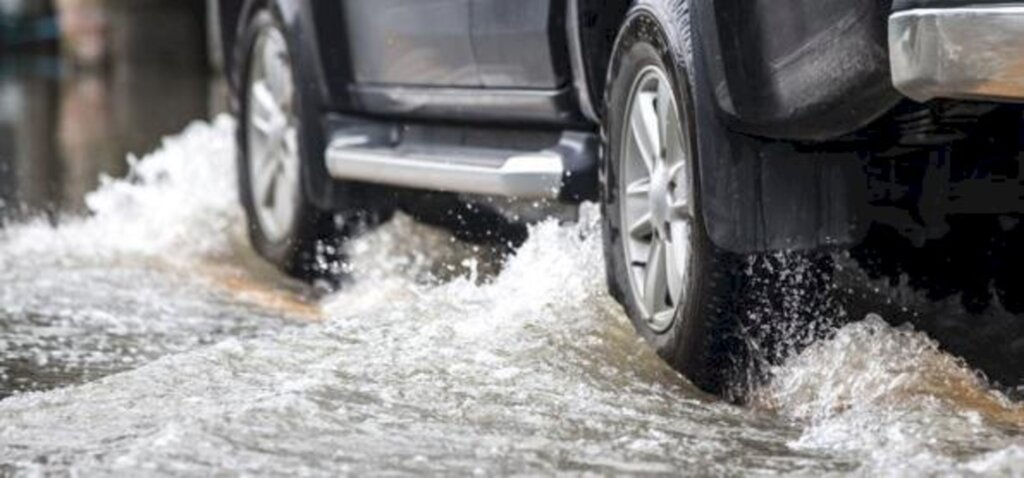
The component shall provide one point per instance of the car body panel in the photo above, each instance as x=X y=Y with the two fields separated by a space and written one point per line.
x=411 y=42
x=520 y=44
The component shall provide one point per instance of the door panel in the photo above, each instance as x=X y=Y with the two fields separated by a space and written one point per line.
x=411 y=42
x=520 y=43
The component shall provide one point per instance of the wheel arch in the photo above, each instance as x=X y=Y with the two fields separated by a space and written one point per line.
x=593 y=27
x=311 y=24
x=807 y=70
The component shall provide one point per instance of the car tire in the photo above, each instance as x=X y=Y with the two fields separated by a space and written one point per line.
x=285 y=226
x=689 y=319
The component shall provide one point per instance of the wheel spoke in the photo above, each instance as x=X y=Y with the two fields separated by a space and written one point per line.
x=679 y=202
x=279 y=85
x=265 y=107
x=270 y=52
x=639 y=188
x=663 y=317
x=644 y=125
x=269 y=183
x=675 y=262
x=675 y=153
x=265 y=168
x=677 y=169
x=290 y=176
x=291 y=145
x=679 y=209
x=664 y=105
x=281 y=199
x=275 y=64
x=262 y=126
x=642 y=228
x=654 y=279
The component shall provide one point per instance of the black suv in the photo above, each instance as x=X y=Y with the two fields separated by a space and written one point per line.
x=708 y=130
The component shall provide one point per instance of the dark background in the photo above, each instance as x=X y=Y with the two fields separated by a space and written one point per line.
x=85 y=83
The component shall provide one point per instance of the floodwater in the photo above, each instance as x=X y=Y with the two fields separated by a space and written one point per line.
x=139 y=336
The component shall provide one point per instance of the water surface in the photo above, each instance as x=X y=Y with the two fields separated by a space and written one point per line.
x=144 y=338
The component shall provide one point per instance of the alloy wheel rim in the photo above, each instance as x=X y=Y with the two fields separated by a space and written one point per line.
x=657 y=198
x=272 y=136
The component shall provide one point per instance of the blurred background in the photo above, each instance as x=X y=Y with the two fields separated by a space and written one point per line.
x=84 y=83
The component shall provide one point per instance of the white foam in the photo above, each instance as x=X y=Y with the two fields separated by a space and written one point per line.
x=179 y=201
x=891 y=400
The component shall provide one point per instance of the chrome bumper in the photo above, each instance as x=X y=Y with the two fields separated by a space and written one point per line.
x=972 y=52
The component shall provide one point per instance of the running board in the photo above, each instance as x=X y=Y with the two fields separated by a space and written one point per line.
x=543 y=174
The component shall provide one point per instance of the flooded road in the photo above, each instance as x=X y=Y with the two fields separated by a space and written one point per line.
x=144 y=338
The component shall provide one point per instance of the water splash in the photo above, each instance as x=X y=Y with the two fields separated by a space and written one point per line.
x=889 y=398
x=437 y=358
x=155 y=268
x=176 y=202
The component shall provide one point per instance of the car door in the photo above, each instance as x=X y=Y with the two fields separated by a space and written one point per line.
x=411 y=42
x=520 y=44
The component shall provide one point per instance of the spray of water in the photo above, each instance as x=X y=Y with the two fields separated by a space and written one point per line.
x=890 y=398
x=177 y=202
x=427 y=362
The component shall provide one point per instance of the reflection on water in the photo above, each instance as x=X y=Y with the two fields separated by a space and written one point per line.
x=60 y=131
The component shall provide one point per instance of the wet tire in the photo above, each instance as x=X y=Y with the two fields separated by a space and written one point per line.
x=307 y=244
x=700 y=341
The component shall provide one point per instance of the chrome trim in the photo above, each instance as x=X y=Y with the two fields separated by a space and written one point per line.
x=972 y=52
x=492 y=172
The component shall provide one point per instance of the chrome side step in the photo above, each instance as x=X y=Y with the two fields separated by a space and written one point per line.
x=472 y=170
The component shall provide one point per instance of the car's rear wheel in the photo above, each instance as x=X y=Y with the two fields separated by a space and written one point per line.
x=674 y=284
x=279 y=138
x=272 y=139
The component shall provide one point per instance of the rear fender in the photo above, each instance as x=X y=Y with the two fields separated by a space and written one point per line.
x=797 y=69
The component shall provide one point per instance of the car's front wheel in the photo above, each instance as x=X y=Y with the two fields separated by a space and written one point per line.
x=674 y=284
